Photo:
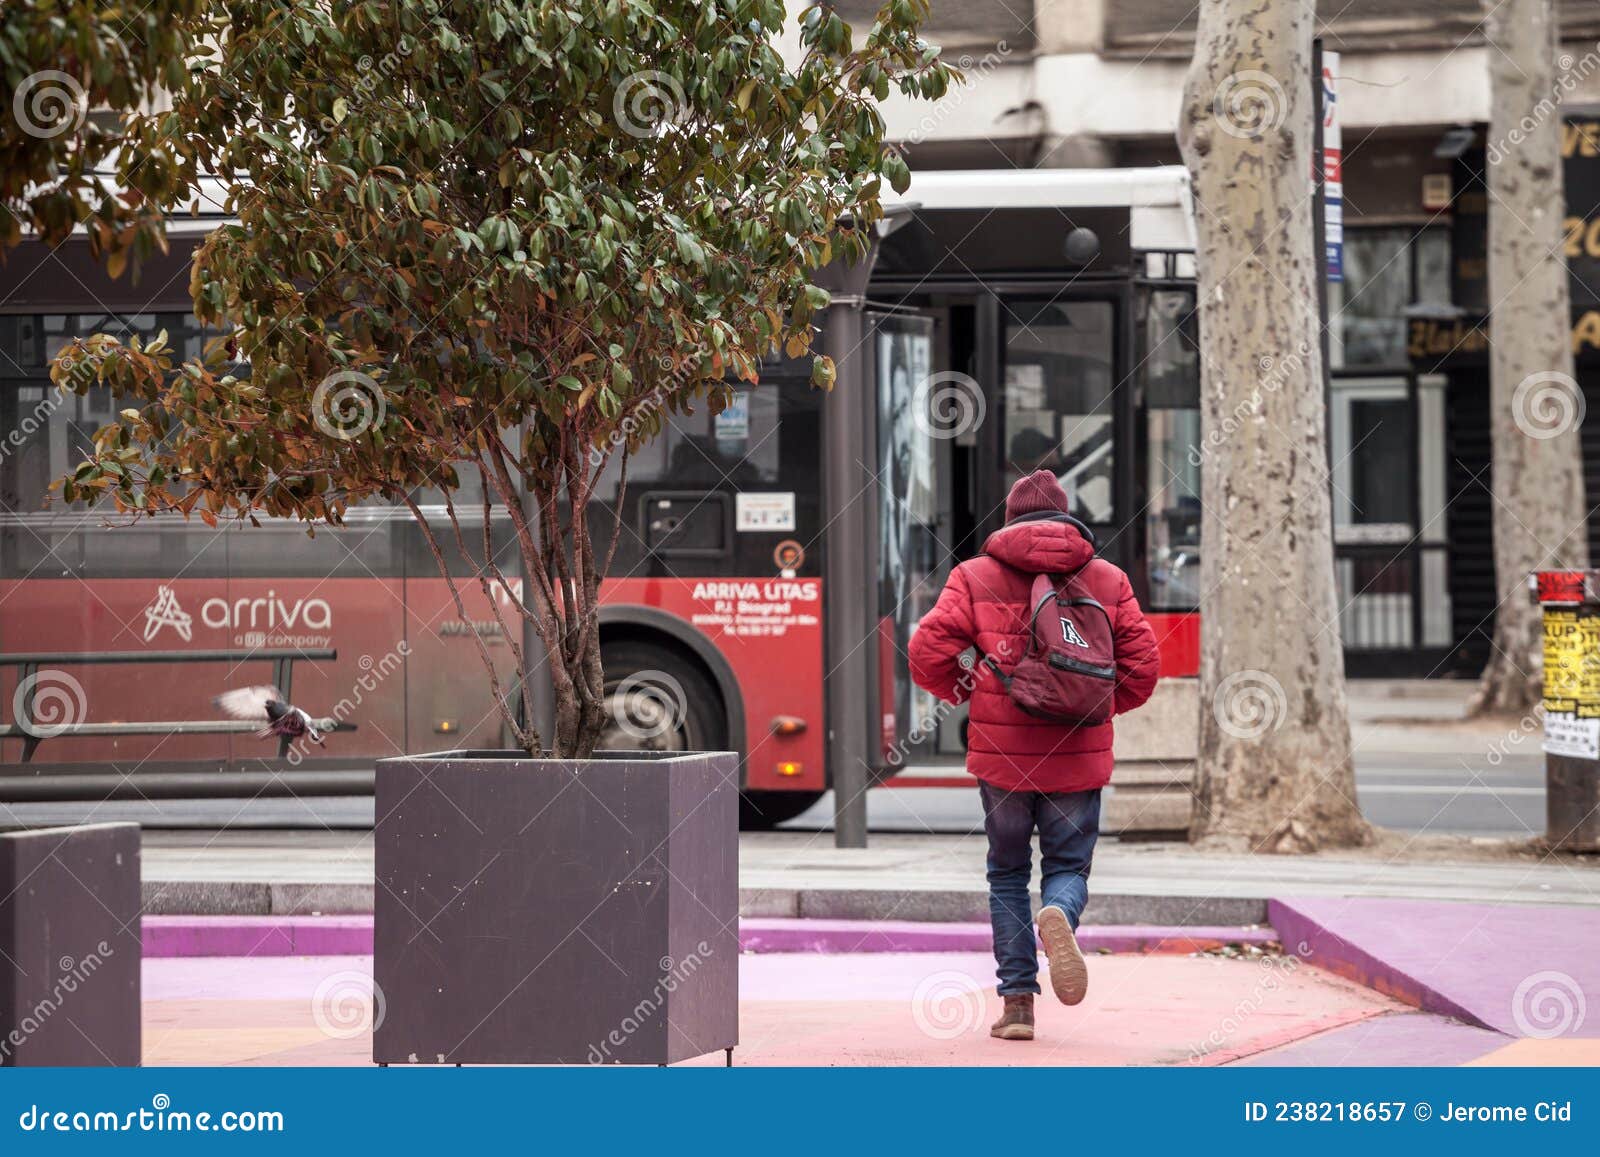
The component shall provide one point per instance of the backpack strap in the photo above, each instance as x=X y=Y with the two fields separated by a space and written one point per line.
x=1005 y=680
x=1044 y=590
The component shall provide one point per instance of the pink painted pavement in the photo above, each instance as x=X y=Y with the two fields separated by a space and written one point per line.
x=906 y=1008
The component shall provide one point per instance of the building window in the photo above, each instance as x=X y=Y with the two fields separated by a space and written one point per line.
x=1390 y=273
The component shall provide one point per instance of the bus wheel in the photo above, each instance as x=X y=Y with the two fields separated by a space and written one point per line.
x=656 y=700
x=760 y=811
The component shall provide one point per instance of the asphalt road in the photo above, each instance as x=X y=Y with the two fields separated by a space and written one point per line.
x=1409 y=791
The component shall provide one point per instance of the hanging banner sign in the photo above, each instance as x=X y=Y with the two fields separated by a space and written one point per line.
x=1332 y=168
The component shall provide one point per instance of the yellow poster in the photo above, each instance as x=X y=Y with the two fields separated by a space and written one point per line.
x=1571 y=658
x=1572 y=681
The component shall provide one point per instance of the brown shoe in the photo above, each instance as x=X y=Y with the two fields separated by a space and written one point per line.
x=1016 y=1022
x=1069 y=975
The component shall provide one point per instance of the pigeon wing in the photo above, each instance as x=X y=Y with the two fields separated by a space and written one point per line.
x=248 y=702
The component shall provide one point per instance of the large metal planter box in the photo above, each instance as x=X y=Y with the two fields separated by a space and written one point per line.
x=533 y=911
x=69 y=946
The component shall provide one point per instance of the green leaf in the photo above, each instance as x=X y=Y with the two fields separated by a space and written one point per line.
x=823 y=373
x=898 y=172
x=689 y=250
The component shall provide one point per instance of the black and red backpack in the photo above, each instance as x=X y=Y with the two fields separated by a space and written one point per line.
x=1068 y=674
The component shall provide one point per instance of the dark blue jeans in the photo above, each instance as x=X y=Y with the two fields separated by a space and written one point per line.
x=1068 y=824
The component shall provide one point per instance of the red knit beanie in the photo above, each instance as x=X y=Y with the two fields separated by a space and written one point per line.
x=1036 y=493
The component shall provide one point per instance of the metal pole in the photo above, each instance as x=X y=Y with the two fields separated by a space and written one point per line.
x=1319 y=217
x=851 y=642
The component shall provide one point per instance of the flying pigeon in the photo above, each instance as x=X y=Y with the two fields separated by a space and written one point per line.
x=268 y=706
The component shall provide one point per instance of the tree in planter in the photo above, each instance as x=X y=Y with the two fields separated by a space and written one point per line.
x=1274 y=769
x=74 y=75
x=498 y=242
x=1535 y=403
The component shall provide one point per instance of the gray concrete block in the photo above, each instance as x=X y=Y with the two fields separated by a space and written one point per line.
x=893 y=904
x=1167 y=727
x=323 y=899
x=782 y=902
x=1170 y=911
x=205 y=898
x=1147 y=811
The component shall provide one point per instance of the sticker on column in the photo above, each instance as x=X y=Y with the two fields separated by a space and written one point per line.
x=759 y=512
x=1566 y=734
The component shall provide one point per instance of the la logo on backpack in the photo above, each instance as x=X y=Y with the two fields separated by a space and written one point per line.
x=1069 y=633
x=1074 y=687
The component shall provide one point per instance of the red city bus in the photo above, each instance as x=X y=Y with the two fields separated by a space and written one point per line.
x=773 y=558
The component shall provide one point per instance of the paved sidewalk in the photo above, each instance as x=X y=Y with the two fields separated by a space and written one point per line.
x=898 y=1009
x=885 y=1009
x=900 y=877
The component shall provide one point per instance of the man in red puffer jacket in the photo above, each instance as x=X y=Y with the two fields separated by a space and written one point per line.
x=1033 y=773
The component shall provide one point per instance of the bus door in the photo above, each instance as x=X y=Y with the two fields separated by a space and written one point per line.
x=919 y=410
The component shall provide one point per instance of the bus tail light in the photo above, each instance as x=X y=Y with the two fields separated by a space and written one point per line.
x=790 y=767
x=788 y=725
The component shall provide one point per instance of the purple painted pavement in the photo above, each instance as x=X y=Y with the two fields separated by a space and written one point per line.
x=166 y=936
x=1529 y=971
x=1402 y=1039
x=178 y=936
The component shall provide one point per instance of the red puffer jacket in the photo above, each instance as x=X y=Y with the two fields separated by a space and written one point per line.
x=985 y=604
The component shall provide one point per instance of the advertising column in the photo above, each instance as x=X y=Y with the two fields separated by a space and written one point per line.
x=1571 y=604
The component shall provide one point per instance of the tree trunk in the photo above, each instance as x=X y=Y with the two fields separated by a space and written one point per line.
x=1274 y=764
x=1535 y=404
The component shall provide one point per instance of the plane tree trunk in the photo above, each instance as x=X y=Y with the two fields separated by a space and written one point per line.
x=1274 y=768
x=1535 y=404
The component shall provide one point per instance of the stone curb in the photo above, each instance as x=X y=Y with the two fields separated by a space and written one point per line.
x=235 y=898
x=259 y=936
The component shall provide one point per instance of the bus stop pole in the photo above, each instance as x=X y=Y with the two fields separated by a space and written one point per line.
x=848 y=587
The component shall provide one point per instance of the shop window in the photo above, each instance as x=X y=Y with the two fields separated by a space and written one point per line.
x=1389 y=274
